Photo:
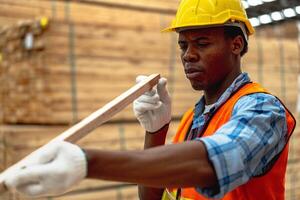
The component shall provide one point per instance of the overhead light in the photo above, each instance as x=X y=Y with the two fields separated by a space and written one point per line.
x=268 y=1
x=289 y=12
x=245 y=4
x=265 y=19
x=276 y=16
x=254 y=2
x=297 y=9
x=254 y=21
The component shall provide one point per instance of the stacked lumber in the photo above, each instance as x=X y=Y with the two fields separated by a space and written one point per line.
x=85 y=59
x=103 y=70
x=159 y=5
x=102 y=61
x=90 y=53
x=274 y=63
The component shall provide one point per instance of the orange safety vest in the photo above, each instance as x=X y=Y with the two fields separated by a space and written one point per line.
x=268 y=186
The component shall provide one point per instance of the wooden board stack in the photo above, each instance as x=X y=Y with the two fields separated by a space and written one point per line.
x=275 y=63
x=92 y=51
x=98 y=56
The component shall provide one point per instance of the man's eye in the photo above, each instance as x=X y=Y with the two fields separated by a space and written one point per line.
x=203 y=44
x=182 y=46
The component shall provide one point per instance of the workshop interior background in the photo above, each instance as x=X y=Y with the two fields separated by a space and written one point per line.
x=62 y=60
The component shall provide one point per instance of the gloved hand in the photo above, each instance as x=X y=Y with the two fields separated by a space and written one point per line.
x=153 y=109
x=50 y=171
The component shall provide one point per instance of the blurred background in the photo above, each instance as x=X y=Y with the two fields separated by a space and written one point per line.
x=61 y=60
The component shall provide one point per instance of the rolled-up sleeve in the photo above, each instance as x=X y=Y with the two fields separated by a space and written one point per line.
x=245 y=145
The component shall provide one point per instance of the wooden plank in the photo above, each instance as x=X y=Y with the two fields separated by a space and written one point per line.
x=97 y=118
x=105 y=113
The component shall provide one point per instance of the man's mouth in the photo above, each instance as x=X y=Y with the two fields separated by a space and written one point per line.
x=192 y=73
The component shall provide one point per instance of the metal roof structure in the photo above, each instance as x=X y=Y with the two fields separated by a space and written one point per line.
x=263 y=12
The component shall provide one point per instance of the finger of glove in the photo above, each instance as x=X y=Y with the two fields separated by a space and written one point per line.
x=32 y=190
x=43 y=155
x=22 y=177
x=149 y=99
x=144 y=107
x=162 y=90
x=150 y=94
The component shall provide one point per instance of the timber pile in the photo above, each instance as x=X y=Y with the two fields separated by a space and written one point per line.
x=100 y=59
x=91 y=52
x=275 y=64
x=169 y=6
x=89 y=62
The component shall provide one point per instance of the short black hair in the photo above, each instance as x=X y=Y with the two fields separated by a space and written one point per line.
x=232 y=32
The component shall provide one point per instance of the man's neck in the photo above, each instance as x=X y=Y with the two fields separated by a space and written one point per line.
x=214 y=93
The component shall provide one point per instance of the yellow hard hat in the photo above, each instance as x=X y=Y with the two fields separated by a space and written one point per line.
x=205 y=13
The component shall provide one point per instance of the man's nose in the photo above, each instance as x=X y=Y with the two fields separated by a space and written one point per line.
x=190 y=55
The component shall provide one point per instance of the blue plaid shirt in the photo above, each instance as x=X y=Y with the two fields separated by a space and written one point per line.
x=247 y=143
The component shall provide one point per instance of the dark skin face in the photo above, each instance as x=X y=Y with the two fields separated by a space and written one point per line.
x=211 y=61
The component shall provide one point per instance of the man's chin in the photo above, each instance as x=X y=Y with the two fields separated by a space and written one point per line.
x=197 y=87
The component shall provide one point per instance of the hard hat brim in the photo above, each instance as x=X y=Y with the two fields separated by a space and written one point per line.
x=249 y=27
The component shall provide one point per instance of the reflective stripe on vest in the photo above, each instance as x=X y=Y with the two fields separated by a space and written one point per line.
x=269 y=185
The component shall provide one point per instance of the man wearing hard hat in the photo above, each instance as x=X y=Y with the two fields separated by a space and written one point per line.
x=231 y=145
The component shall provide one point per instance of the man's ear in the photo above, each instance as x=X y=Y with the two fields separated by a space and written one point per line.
x=237 y=45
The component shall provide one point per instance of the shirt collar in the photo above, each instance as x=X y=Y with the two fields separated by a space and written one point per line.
x=242 y=79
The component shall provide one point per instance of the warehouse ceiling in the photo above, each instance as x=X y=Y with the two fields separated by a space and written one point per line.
x=262 y=12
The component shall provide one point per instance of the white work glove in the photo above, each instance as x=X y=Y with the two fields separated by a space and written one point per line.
x=50 y=171
x=153 y=109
